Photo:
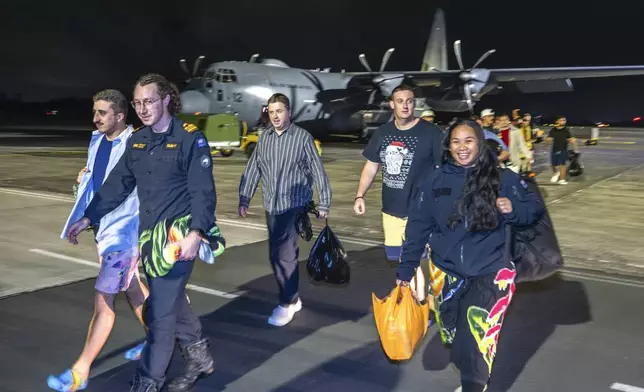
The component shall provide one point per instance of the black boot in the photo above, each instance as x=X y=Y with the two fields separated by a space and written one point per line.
x=199 y=363
x=143 y=384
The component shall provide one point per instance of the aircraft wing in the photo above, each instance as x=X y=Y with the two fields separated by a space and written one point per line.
x=528 y=74
x=505 y=75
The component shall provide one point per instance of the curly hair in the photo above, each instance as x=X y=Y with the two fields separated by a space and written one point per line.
x=164 y=88
x=477 y=206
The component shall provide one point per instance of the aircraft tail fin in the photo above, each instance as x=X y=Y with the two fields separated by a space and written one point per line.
x=436 y=51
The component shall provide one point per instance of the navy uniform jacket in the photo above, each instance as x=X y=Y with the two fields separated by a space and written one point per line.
x=457 y=251
x=173 y=175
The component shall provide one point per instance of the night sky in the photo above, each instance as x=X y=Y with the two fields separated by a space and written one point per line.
x=74 y=48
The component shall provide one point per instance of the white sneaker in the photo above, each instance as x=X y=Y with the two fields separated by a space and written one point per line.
x=555 y=178
x=283 y=315
x=562 y=182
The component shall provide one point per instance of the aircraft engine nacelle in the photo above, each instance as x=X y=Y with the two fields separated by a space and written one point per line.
x=388 y=84
x=194 y=102
x=477 y=79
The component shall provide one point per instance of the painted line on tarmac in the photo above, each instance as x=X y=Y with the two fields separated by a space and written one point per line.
x=200 y=289
x=230 y=222
x=603 y=279
x=255 y=226
x=45 y=196
x=594 y=184
x=352 y=240
x=625 y=388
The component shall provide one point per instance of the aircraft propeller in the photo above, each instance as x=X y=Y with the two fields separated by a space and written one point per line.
x=378 y=79
x=473 y=78
x=184 y=67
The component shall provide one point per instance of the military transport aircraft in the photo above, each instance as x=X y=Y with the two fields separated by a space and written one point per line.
x=334 y=102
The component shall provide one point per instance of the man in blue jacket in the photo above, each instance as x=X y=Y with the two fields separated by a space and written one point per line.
x=116 y=236
x=169 y=163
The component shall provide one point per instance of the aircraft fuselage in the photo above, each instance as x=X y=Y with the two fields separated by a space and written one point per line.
x=320 y=101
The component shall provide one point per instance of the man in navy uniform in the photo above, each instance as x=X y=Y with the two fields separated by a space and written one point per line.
x=169 y=163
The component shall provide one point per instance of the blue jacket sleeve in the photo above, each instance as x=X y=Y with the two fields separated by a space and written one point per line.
x=420 y=225
x=527 y=206
x=117 y=187
x=201 y=185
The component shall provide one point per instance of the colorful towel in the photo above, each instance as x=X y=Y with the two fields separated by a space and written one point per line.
x=159 y=248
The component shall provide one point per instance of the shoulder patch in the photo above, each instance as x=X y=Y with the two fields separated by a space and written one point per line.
x=201 y=142
x=524 y=184
x=189 y=127
x=205 y=161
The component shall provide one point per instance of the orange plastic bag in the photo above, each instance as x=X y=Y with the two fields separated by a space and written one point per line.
x=401 y=322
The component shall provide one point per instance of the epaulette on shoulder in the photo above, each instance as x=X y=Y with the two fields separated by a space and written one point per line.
x=137 y=129
x=189 y=127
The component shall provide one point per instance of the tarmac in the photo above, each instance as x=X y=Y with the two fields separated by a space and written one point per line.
x=573 y=332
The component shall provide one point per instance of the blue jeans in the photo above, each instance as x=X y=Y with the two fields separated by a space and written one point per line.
x=284 y=253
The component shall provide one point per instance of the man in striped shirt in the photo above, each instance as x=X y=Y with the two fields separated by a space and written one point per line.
x=287 y=162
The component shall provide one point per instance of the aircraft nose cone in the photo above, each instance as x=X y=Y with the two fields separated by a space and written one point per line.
x=193 y=102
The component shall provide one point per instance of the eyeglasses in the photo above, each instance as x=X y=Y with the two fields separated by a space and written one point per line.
x=146 y=102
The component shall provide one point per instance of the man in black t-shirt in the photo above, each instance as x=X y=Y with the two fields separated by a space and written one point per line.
x=560 y=136
x=407 y=149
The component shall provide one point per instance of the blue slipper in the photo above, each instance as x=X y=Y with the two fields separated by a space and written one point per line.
x=134 y=354
x=67 y=382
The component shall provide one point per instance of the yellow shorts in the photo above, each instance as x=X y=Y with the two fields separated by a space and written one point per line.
x=394 y=230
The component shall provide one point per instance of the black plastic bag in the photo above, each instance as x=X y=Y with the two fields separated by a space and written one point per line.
x=576 y=168
x=328 y=260
x=303 y=222
x=534 y=249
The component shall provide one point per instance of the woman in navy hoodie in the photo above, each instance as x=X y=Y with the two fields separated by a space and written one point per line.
x=462 y=211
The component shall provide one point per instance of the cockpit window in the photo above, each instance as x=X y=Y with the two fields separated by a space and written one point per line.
x=226 y=75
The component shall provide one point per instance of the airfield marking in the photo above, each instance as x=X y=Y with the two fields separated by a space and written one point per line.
x=625 y=388
x=358 y=241
x=594 y=184
x=200 y=289
x=259 y=227
x=255 y=226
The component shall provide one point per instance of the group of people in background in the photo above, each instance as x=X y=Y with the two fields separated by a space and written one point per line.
x=447 y=198
x=514 y=140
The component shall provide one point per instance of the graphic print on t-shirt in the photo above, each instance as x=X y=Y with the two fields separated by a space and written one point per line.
x=396 y=156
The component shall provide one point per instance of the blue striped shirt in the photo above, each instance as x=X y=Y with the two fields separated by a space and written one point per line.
x=287 y=164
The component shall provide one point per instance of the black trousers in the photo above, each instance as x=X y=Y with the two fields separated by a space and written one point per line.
x=284 y=253
x=168 y=316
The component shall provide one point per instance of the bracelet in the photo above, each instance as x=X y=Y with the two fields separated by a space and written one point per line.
x=359 y=197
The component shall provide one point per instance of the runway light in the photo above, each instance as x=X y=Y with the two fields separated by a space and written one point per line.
x=636 y=119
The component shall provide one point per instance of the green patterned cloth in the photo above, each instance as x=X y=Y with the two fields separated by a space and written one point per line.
x=159 y=250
